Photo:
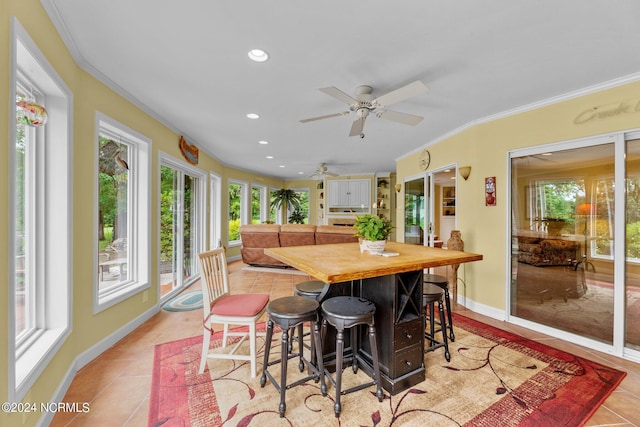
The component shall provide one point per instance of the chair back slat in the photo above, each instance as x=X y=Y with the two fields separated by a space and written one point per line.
x=214 y=276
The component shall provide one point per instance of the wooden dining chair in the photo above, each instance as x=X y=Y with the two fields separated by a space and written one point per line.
x=221 y=307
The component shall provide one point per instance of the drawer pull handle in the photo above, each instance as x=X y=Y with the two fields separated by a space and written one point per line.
x=407 y=362
x=409 y=336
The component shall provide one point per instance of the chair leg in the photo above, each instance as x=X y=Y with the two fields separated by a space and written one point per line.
x=284 y=358
x=376 y=366
x=225 y=334
x=337 y=407
x=267 y=348
x=252 y=348
x=206 y=339
x=319 y=357
x=449 y=315
x=443 y=328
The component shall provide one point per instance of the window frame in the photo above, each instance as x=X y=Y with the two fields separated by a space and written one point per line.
x=53 y=249
x=139 y=231
x=245 y=208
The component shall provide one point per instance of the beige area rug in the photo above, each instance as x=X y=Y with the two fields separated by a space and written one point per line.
x=495 y=378
x=274 y=270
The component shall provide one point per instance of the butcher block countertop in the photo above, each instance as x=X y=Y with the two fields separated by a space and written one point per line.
x=342 y=262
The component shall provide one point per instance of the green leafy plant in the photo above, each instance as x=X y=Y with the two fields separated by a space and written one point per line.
x=372 y=227
x=285 y=197
x=296 y=217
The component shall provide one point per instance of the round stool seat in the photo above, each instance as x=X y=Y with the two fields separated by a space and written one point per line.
x=436 y=279
x=346 y=311
x=289 y=311
x=431 y=293
x=311 y=288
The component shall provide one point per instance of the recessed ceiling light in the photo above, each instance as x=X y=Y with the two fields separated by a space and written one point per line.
x=253 y=116
x=300 y=173
x=263 y=142
x=258 y=55
x=269 y=157
x=281 y=166
x=547 y=154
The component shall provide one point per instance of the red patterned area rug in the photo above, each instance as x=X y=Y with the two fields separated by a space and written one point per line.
x=495 y=378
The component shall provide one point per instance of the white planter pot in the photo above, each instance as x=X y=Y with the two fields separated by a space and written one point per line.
x=373 y=247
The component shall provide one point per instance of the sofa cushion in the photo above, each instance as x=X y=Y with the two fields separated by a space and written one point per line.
x=297 y=235
x=260 y=235
x=326 y=234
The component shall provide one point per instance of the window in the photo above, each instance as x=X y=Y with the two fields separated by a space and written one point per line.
x=275 y=215
x=300 y=216
x=41 y=233
x=258 y=204
x=122 y=233
x=237 y=197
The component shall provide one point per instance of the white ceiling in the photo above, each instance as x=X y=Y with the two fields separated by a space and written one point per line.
x=186 y=63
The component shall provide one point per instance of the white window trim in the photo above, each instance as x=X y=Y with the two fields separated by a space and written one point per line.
x=245 y=207
x=139 y=244
x=264 y=205
x=56 y=244
x=215 y=210
x=199 y=228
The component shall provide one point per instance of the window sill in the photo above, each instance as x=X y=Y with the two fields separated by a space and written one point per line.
x=32 y=362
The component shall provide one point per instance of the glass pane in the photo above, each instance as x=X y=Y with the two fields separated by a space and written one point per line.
x=632 y=266
x=23 y=295
x=168 y=229
x=256 y=205
x=563 y=222
x=235 y=202
x=190 y=248
x=113 y=208
x=414 y=220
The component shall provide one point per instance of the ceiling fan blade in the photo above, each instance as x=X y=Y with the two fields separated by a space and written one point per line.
x=338 y=94
x=400 y=94
x=331 y=173
x=404 y=118
x=357 y=126
x=328 y=116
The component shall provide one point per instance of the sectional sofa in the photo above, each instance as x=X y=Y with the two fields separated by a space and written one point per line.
x=257 y=237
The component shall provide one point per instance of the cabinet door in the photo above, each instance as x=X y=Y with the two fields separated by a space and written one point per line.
x=338 y=193
x=359 y=193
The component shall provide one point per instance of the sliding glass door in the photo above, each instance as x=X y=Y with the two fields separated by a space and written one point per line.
x=567 y=214
x=181 y=230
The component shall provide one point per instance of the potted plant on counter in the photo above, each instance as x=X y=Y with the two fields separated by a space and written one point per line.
x=373 y=232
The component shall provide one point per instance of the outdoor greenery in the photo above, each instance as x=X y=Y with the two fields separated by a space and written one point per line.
x=112 y=189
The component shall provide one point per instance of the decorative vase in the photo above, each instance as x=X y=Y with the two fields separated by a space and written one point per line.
x=455 y=242
x=374 y=247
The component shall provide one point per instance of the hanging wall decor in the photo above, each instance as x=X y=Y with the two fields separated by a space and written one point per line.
x=490 y=191
x=190 y=152
x=30 y=113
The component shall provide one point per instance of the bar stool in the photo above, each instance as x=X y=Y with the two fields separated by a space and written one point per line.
x=443 y=283
x=310 y=289
x=432 y=294
x=287 y=313
x=345 y=312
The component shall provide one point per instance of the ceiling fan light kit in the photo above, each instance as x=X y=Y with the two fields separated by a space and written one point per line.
x=364 y=103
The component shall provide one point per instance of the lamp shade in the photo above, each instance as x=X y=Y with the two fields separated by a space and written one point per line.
x=465 y=171
x=584 y=209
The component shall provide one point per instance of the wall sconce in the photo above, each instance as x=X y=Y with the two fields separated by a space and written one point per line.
x=398 y=187
x=465 y=171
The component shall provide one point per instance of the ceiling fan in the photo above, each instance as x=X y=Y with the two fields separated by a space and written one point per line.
x=364 y=103
x=322 y=171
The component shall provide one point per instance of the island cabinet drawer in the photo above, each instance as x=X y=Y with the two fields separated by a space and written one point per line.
x=407 y=334
x=407 y=360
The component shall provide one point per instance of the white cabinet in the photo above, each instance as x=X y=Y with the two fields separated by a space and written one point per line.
x=354 y=193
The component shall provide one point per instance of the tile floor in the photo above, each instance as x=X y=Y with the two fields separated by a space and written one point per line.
x=117 y=383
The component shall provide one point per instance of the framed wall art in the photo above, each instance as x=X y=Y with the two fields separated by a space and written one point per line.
x=490 y=191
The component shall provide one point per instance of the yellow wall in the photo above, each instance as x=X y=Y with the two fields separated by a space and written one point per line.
x=485 y=147
x=89 y=96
